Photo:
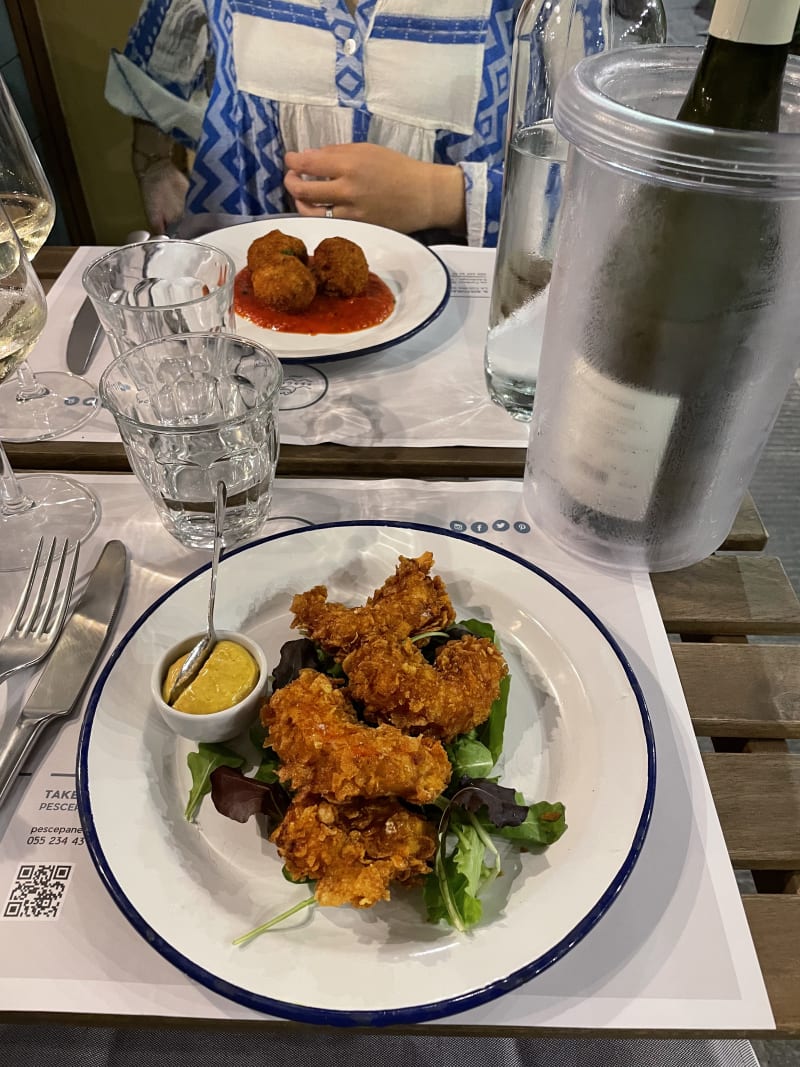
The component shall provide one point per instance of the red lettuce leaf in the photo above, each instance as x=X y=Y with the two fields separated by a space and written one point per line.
x=238 y=797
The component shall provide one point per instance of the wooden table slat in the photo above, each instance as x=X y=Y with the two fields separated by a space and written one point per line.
x=748 y=533
x=728 y=595
x=757 y=797
x=750 y=690
x=51 y=260
x=775 y=925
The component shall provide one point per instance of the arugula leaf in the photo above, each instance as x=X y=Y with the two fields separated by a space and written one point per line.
x=469 y=758
x=295 y=881
x=268 y=768
x=490 y=733
x=461 y=875
x=309 y=902
x=257 y=734
x=238 y=797
x=202 y=764
x=436 y=638
x=478 y=628
x=470 y=855
x=543 y=825
x=447 y=896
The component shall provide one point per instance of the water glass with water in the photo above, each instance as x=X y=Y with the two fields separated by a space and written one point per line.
x=156 y=288
x=549 y=39
x=194 y=409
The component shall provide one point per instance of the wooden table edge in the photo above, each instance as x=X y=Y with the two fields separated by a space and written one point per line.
x=419 y=1029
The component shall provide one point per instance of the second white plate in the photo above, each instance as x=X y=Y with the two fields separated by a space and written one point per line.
x=416 y=276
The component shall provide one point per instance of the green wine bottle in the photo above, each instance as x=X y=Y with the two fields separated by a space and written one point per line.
x=669 y=342
x=740 y=75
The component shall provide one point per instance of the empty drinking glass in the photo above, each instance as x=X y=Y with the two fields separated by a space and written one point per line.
x=157 y=288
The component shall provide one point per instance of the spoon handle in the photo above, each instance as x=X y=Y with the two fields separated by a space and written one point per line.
x=219 y=520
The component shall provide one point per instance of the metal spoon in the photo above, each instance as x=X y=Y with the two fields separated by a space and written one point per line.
x=202 y=650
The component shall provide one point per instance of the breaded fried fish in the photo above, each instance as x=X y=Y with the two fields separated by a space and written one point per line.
x=324 y=749
x=449 y=697
x=354 y=851
x=409 y=602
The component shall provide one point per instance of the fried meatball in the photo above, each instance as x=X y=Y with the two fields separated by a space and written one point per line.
x=275 y=243
x=284 y=283
x=340 y=267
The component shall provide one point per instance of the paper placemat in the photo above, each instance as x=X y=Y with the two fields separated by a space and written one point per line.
x=427 y=391
x=673 y=952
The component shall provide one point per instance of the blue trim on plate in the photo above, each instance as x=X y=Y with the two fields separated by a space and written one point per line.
x=393 y=1016
x=289 y=360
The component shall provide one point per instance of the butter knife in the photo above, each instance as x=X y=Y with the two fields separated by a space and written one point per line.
x=69 y=666
x=85 y=338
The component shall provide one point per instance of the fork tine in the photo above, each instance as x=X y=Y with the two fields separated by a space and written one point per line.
x=23 y=600
x=66 y=595
x=47 y=613
x=28 y=626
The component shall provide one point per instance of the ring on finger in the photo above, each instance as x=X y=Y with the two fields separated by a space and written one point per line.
x=329 y=211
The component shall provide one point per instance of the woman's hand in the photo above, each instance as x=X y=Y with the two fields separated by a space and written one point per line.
x=370 y=183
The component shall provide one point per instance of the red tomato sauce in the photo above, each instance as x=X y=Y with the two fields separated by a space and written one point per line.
x=326 y=314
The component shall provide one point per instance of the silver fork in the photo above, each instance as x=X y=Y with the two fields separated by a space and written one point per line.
x=40 y=613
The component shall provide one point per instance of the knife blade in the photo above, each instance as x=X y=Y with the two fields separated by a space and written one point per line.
x=85 y=338
x=69 y=666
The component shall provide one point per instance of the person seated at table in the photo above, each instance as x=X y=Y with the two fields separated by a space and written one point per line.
x=392 y=114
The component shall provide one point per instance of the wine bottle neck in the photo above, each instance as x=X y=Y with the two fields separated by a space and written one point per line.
x=737 y=86
x=764 y=22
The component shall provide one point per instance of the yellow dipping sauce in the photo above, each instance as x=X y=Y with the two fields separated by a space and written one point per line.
x=226 y=677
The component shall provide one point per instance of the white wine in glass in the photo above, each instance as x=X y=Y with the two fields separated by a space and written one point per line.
x=32 y=216
x=33 y=505
x=50 y=403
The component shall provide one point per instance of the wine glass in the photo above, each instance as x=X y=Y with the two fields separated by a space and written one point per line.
x=51 y=403
x=33 y=505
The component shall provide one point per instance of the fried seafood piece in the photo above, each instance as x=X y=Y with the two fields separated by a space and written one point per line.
x=453 y=695
x=354 y=851
x=409 y=602
x=325 y=750
x=275 y=243
x=284 y=283
x=340 y=267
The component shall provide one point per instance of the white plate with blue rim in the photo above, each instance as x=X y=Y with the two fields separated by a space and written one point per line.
x=416 y=276
x=577 y=731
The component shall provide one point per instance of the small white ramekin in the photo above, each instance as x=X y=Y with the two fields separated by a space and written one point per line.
x=217 y=725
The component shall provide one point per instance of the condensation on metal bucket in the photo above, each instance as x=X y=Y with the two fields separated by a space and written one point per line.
x=671 y=336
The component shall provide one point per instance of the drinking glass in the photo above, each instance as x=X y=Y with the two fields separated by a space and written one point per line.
x=549 y=38
x=51 y=403
x=34 y=505
x=194 y=409
x=157 y=288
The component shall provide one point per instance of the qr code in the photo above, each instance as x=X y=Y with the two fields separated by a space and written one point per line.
x=38 y=891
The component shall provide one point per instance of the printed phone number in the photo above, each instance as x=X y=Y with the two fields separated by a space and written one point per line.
x=54 y=839
x=54 y=835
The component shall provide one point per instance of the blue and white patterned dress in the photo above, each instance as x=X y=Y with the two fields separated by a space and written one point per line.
x=294 y=74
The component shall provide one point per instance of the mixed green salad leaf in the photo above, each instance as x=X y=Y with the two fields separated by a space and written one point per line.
x=202 y=764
